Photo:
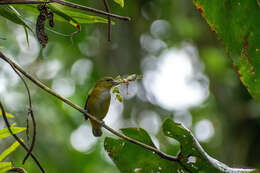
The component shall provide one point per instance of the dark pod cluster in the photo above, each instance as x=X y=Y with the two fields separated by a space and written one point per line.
x=45 y=14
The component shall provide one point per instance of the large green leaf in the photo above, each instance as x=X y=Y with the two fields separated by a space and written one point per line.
x=129 y=157
x=237 y=24
x=192 y=154
x=5 y=133
x=5 y=166
x=9 y=150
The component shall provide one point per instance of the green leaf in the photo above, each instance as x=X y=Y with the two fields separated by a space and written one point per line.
x=5 y=166
x=134 y=77
x=115 y=90
x=192 y=154
x=66 y=14
x=237 y=25
x=74 y=17
x=9 y=150
x=119 y=97
x=129 y=157
x=5 y=133
x=120 y=2
x=11 y=14
x=138 y=134
x=26 y=35
x=118 y=78
x=7 y=114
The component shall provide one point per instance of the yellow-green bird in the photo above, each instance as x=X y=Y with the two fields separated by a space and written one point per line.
x=98 y=102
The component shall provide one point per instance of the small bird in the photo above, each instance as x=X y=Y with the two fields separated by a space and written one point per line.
x=98 y=101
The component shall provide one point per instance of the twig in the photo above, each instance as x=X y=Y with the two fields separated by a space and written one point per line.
x=19 y=170
x=108 y=21
x=69 y=4
x=22 y=2
x=30 y=112
x=18 y=139
x=50 y=91
x=34 y=136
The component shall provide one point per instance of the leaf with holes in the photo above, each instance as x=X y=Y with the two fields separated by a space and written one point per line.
x=237 y=25
x=130 y=157
x=192 y=154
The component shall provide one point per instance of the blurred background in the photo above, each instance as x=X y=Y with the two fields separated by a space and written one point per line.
x=187 y=76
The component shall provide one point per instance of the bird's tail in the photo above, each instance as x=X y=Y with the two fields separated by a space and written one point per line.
x=96 y=129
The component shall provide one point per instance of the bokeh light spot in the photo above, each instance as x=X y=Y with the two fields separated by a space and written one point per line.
x=82 y=139
x=204 y=130
x=64 y=86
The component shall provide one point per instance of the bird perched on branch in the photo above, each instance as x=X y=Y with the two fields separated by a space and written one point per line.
x=98 y=101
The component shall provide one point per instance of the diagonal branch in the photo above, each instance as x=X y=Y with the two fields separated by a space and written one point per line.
x=52 y=92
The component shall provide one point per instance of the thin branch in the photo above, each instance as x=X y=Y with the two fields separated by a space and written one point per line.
x=18 y=139
x=34 y=136
x=19 y=170
x=22 y=2
x=68 y=4
x=50 y=91
x=30 y=112
x=108 y=21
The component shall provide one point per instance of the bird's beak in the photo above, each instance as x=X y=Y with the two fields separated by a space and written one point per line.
x=114 y=83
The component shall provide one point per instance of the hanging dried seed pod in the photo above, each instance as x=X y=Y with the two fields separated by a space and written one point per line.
x=45 y=13
x=41 y=35
x=40 y=30
x=50 y=18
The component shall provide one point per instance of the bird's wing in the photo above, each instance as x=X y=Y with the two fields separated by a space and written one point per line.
x=85 y=107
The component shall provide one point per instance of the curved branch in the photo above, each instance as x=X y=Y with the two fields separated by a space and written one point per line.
x=30 y=112
x=18 y=139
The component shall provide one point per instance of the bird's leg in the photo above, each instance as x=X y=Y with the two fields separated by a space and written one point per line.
x=102 y=123
x=85 y=114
